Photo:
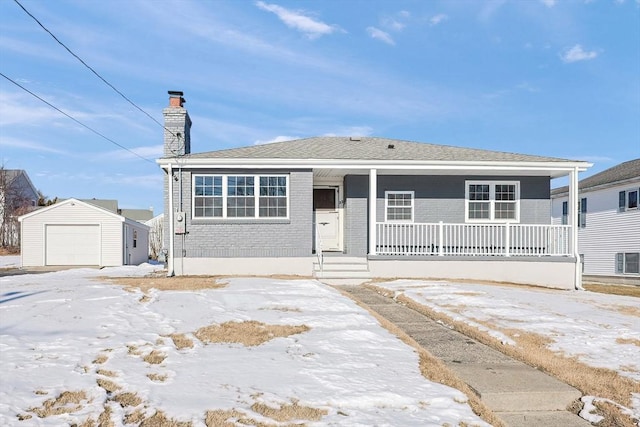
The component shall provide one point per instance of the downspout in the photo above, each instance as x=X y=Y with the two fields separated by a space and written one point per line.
x=573 y=194
x=170 y=265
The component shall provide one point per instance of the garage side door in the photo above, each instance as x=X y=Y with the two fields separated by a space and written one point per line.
x=72 y=244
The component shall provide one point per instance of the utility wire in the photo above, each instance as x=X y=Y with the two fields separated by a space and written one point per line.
x=92 y=70
x=76 y=120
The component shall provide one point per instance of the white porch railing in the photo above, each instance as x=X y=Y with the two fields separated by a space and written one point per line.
x=318 y=249
x=472 y=239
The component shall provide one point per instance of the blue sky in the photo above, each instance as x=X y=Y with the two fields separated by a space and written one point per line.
x=547 y=77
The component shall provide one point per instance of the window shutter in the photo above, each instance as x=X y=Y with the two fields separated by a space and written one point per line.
x=619 y=262
x=583 y=212
x=622 y=200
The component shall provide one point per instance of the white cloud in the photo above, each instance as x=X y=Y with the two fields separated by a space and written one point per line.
x=396 y=22
x=437 y=19
x=148 y=152
x=378 y=34
x=549 y=3
x=298 y=21
x=279 y=138
x=576 y=53
x=28 y=145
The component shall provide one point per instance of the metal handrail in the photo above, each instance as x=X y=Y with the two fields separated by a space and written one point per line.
x=318 y=248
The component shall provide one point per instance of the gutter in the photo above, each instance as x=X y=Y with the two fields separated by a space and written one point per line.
x=170 y=261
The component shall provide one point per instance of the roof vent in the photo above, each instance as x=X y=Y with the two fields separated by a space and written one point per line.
x=391 y=146
x=356 y=138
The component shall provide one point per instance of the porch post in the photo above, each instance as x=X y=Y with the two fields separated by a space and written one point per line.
x=373 y=195
x=573 y=222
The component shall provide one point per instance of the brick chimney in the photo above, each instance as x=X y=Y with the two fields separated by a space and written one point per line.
x=177 y=123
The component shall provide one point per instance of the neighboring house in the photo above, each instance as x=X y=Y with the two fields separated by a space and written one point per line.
x=609 y=220
x=74 y=232
x=382 y=208
x=17 y=197
x=140 y=215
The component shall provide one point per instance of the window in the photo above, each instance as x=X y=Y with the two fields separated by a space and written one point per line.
x=492 y=201
x=135 y=238
x=241 y=202
x=628 y=200
x=273 y=196
x=628 y=263
x=207 y=196
x=399 y=206
x=240 y=196
x=582 y=213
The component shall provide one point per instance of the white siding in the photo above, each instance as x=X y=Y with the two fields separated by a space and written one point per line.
x=33 y=232
x=140 y=253
x=607 y=231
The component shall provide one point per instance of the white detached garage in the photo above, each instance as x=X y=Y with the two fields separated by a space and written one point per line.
x=74 y=232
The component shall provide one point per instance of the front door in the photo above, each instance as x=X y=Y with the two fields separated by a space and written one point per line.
x=327 y=217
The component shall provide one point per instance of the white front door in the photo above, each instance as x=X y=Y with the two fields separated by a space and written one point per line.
x=327 y=218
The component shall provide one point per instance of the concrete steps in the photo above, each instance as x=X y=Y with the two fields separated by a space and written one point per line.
x=517 y=393
x=342 y=267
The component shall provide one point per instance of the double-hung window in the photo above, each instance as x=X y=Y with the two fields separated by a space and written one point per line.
x=399 y=206
x=628 y=263
x=494 y=201
x=582 y=213
x=628 y=200
x=240 y=196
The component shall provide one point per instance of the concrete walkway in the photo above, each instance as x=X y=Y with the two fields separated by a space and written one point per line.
x=517 y=393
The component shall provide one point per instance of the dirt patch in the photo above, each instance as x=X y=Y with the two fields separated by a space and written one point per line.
x=177 y=283
x=127 y=399
x=159 y=378
x=155 y=357
x=250 y=333
x=612 y=415
x=104 y=420
x=109 y=386
x=181 y=341
x=106 y=373
x=136 y=417
x=284 y=309
x=100 y=359
x=65 y=403
x=159 y=419
x=633 y=341
x=289 y=412
x=626 y=290
x=228 y=418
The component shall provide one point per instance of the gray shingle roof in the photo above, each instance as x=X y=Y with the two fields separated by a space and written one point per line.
x=366 y=148
x=621 y=172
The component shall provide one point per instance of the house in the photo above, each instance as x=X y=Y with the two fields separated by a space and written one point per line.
x=17 y=197
x=609 y=223
x=140 y=215
x=74 y=232
x=340 y=207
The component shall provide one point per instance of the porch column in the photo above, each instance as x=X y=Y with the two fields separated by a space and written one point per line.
x=573 y=222
x=373 y=195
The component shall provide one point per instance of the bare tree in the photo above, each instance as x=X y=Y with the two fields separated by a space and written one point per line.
x=14 y=201
x=156 y=236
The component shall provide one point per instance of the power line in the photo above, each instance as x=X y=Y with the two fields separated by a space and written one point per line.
x=76 y=120
x=92 y=70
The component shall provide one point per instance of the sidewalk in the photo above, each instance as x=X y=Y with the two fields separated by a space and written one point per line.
x=518 y=394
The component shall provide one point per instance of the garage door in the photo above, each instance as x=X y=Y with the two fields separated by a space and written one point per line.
x=72 y=244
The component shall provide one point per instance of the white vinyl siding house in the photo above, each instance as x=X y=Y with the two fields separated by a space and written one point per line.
x=73 y=232
x=609 y=219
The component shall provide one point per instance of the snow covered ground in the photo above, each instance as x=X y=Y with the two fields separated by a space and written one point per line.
x=600 y=330
x=9 y=261
x=69 y=330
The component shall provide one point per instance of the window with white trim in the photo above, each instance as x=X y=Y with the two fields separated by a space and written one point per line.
x=628 y=263
x=628 y=200
x=398 y=206
x=582 y=213
x=494 y=201
x=240 y=196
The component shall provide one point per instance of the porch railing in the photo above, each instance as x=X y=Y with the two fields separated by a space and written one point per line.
x=472 y=239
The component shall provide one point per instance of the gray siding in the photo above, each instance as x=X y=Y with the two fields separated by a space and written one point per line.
x=437 y=198
x=292 y=237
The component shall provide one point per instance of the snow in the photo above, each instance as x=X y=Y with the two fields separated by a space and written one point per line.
x=598 y=329
x=54 y=326
x=9 y=261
